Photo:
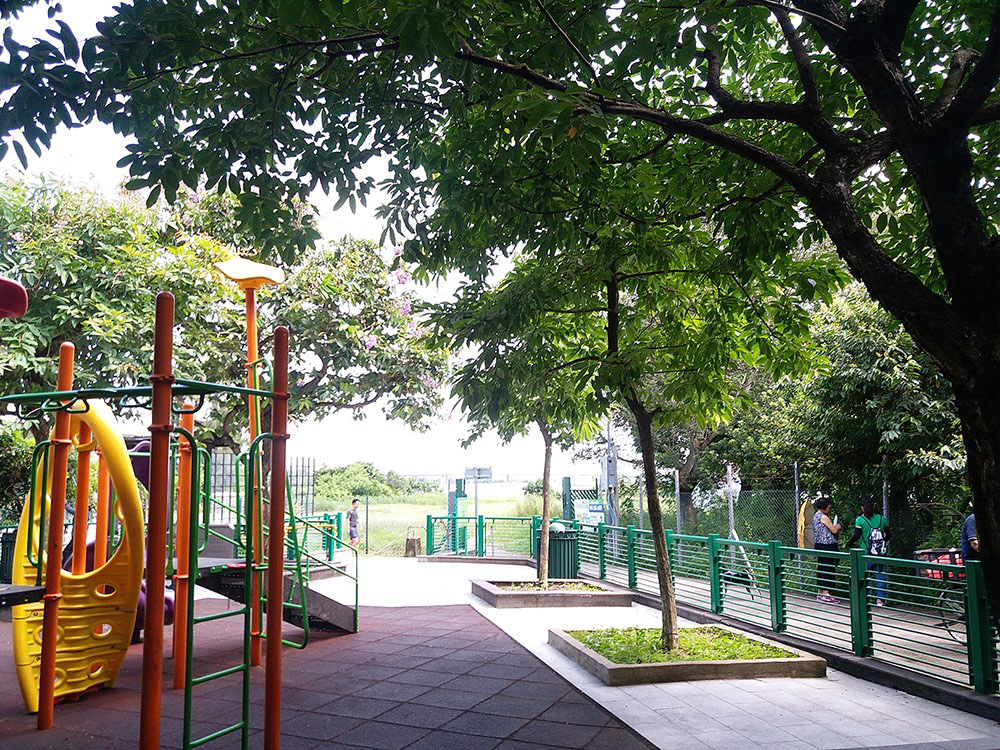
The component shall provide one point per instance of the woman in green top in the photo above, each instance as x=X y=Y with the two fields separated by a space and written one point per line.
x=873 y=531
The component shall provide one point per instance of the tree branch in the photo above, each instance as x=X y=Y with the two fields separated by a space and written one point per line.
x=807 y=116
x=671 y=124
x=569 y=42
x=893 y=20
x=806 y=77
x=956 y=73
x=347 y=405
x=981 y=82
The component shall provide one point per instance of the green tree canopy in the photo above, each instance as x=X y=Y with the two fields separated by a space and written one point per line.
x=92 y=267
x=873 y=123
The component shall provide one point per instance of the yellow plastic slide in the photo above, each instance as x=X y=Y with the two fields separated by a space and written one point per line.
x=97 y=610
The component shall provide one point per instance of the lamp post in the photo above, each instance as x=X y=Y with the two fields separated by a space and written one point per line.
x=251 y=276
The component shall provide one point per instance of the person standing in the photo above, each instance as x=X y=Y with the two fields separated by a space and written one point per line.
x=873 y=530
x=970 y=539
x=352 y=522
x=825 y=533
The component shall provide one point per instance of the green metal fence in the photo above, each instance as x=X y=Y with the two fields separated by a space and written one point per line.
x=931 y=618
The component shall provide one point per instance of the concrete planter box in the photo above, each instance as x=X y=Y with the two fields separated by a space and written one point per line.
x=491 y=593
x=803 y=665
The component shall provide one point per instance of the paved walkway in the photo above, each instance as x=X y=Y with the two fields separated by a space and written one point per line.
x=778 y=714
x=420 y=678
x=435 y=668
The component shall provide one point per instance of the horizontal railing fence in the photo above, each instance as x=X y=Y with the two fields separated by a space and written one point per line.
x=931 y=618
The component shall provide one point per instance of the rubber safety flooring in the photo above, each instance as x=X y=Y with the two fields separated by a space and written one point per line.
x=414 y=678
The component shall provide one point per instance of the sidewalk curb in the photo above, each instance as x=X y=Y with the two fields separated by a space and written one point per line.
x=913 y=683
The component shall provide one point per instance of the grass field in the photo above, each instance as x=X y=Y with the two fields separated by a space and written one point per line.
x=389 y=520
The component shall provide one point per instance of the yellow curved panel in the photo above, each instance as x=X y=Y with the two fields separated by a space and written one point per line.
x=98 y=608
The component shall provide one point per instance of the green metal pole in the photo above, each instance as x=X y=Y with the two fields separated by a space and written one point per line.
x=668 y=534
x=776 y=586
x=430 y=534
x=982 y=654
x=480 y=536
x=630 y=538
x=328 y=540
x=860 y=611
x=714 y=574
x=536 y=523
x=602 y=562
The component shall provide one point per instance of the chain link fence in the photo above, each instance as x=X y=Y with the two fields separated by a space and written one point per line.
x=301 y=473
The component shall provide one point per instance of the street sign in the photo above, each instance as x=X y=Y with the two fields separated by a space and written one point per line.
x=481 y=473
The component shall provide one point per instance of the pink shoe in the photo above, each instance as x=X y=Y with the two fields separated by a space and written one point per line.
x=828 y=599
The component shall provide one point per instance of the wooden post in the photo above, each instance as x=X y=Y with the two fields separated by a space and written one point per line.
x=183 y=526
x=275 y=539
x=53 y=553
x=156 y=546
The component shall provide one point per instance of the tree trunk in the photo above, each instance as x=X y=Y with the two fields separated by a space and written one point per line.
x=543 y=541
x=979 y=409
x=668 y=602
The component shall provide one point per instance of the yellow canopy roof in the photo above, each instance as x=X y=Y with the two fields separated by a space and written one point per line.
x=250 y=274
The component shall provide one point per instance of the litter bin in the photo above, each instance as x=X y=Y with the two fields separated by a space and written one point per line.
x=7 y=539
x=564 y=554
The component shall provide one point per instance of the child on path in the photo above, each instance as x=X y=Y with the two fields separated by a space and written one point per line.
x=873 y=530
x=352 y=523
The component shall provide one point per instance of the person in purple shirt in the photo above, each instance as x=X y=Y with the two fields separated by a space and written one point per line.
x=825 y=533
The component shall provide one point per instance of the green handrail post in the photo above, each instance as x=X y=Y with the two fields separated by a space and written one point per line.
x=714 y=574
x=430 y=534
x=602 y=561
x=453 y=522
x=633 y=579
x=328 y=540
x=668 y=535
x=481 y=536
x=982 y=654
x=339 y=541
x=776 y=585
x=860 y=610
x=536 y=524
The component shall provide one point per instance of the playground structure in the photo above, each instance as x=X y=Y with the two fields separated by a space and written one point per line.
x=72 y=627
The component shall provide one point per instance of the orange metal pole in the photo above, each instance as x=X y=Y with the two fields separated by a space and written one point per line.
x=81 y=509
x=103 y=512
x=53 y=554
x=254 y=499
x=156 y=534
x=275 y=543
x=183 y=526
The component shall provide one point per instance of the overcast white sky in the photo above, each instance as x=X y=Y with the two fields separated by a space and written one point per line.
x=88 y=155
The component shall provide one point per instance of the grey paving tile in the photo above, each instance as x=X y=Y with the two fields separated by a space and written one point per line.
x=632 y=712
x=664 y=736
x=727 y=739
x=820 y=737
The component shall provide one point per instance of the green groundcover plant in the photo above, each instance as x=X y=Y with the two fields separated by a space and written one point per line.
x=577 y=586
x=642 y=645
